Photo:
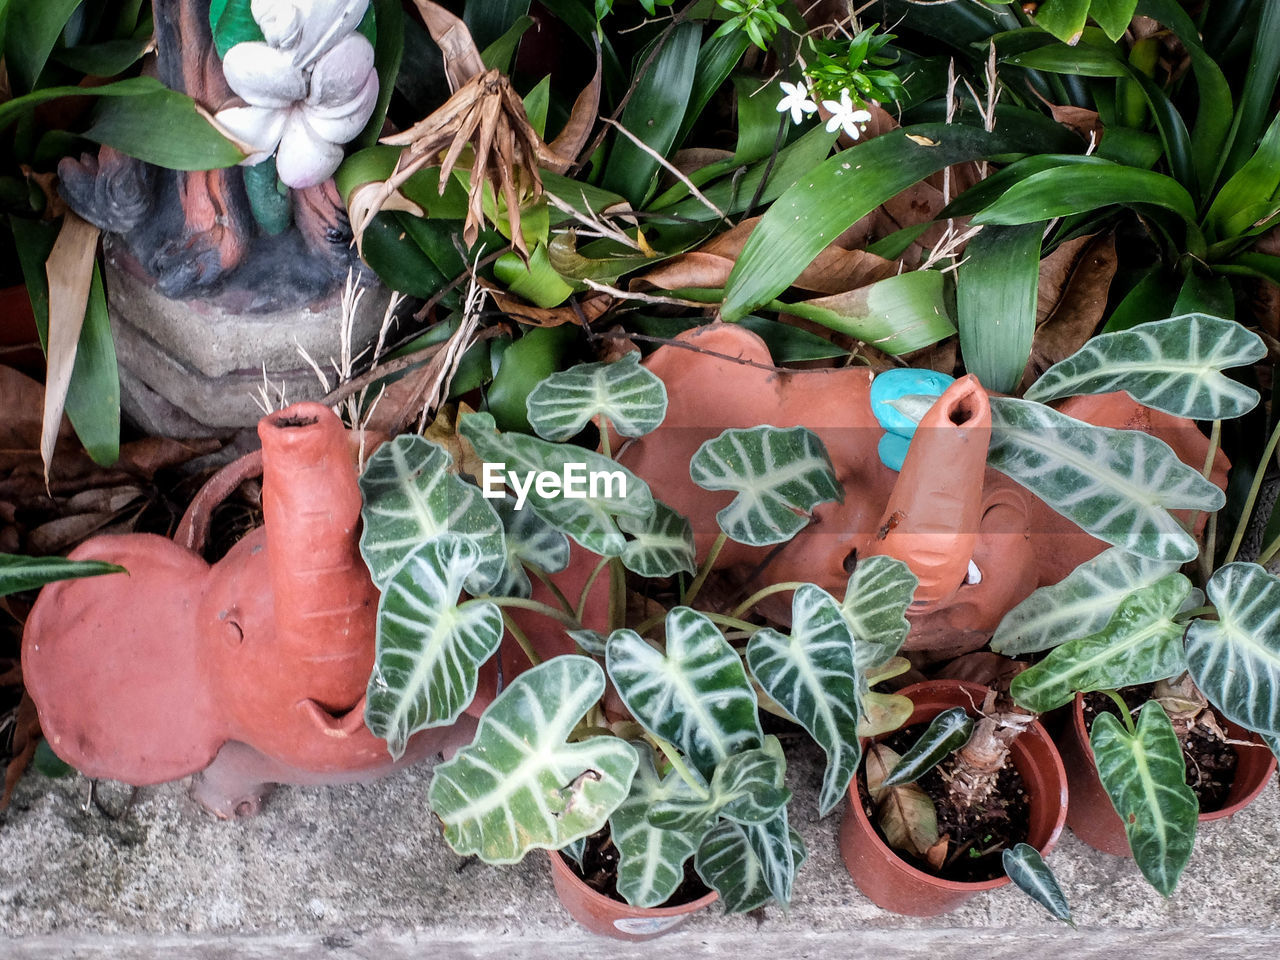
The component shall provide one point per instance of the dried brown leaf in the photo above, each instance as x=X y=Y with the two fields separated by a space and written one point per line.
x=1082 y=276
x=1079 y=120
x=461 y=55
x=571 y=140
x=905 y=813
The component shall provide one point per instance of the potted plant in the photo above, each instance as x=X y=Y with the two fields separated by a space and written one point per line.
x=690 y=773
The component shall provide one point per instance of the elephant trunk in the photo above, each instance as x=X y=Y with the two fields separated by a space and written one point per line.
x=931 y=521
x=325 y=604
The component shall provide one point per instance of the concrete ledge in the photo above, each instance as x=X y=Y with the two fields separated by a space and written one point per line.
x=360 y=872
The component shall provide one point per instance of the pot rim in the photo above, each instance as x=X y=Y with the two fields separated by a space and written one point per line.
x=978 y=691
x=560 y=865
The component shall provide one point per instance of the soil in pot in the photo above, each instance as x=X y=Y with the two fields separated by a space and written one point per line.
x=978 y=834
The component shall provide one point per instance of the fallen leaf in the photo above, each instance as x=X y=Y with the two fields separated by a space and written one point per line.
x=1074 y=282
x=936 y=855
x=1079 y=120
x=905 y=813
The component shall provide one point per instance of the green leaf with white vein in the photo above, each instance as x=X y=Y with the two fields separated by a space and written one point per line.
x=518 y=785
x=1141 y=643
x=812 y=675
x=746 y=788
x=429 y=647
x=662 y=546
x=1145 y=777
x=779 y=476
x=1027 y=869
x=651 y=860
x=528 y=539
x=947 y=732
x=875 y=607
x=629 y=396
x=749 y=865
x=696 y=696
x=1078 y=605
x=410 y=497
x=590 y=520
x=1235 y=660
x=1173 y=365
x=1118 y=485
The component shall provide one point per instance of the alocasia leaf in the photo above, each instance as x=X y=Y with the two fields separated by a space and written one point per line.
x=661 y=546
x=1027 y=869
x=745 y=788
x=528 y=540
x=947 y=732
x=875 y=607
x=748 y=865
x=630 y=397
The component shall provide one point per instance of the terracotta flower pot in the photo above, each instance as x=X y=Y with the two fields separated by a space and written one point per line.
x=607 y=917
x=890 y=881
x=1093 y=818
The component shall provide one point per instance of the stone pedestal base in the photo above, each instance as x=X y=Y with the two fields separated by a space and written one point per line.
x=192 y=368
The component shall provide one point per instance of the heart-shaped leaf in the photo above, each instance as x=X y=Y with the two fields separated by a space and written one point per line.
x=947 y=732
x=1141 y=643
x=528 y=540
x=1235 y=660
x=1030 y=874
x=778 y=475
x=662 y=546
x=1145 y=777
x=1173 y=365
x=518 y=785
x=1118 y=485
x=748 y=865
x=875 y=607
x=746 y=788
x=651 y=860
x=906 y=814
x=883 y=713
x=1079 y=604
x=812 y=675
x=696 y=696
x=411 y=497
x=429 y=647
x=629 y=396
x=612 y=490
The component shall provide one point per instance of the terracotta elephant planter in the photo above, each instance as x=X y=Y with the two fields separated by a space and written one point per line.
x=978 y=541
x=251 y=671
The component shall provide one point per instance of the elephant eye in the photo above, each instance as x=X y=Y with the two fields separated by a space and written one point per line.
x=232 y=633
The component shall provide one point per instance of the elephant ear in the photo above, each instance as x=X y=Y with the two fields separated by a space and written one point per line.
x=116 y=664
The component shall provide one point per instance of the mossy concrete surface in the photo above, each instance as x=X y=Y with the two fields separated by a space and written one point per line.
x=361 y=872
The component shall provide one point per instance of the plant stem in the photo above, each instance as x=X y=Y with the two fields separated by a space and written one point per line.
x=1247 y=509
x=763 y=592
x=1268 y=552
x=547 y=582
x=1211 y=531
x=705 y=570
x=1124 y=710
x=521 y=639
x=573 y=623
x=678 y=764
x=586 y=588
x=605 y=447
x=617 y=594
x=1192 y=614
x=726 y=621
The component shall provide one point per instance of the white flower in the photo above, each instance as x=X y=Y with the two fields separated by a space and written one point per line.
x=843 y=115
x=310 y=88
x=797 y=100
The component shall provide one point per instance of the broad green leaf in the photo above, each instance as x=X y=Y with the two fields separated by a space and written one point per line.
x=163 y=128
x=499 y=54
x=829 y=198
x=812 y=674
x=774 y=473
x=1173 y=365
x=1118 y=485
x=896 y=315
x=651 y=860
x=1113 y=16
x=947 y=732
x=1235 y=660
x=746 y=788
x=1145 y=777
x=411 y=497
x=749 y=865
x=1030 y=874
x=1254 y=109
x=539 y=353
x=629 y=396
x=1082 y=189
x=905 y=813
x=429 y=647
x=518 y=785
x=1082 y=61
x=528 y=540
x=30 y=573
x=662 y=546
x=875 y=607
x=996 y=288
x=1254 y=183
x=1063 y=18
x=232 y=22
x=696 y=696
x=31 y=31
x=535 y=280
x=1141 y=643
x=1078 y=605
x=388 y=54
x=612 y=490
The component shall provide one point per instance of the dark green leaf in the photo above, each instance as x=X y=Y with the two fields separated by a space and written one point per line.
x=162 y=128
x=1027 y=869
x=499 y=54
x=1063 y=18
x=526 y=363
x=388 y=52
x=1113 y=16
x=49 y=764
x=996 y=303
x=32 y=30
x=232 y=22
x=1080 y=189
x=30 y=573
x=947 y=732
x=716 y=60
x=897 y=315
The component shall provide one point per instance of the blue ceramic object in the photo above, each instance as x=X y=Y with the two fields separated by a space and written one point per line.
x=899 y=429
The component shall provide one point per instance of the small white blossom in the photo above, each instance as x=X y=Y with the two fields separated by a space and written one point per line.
x=798 y=100
x=843 y=115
